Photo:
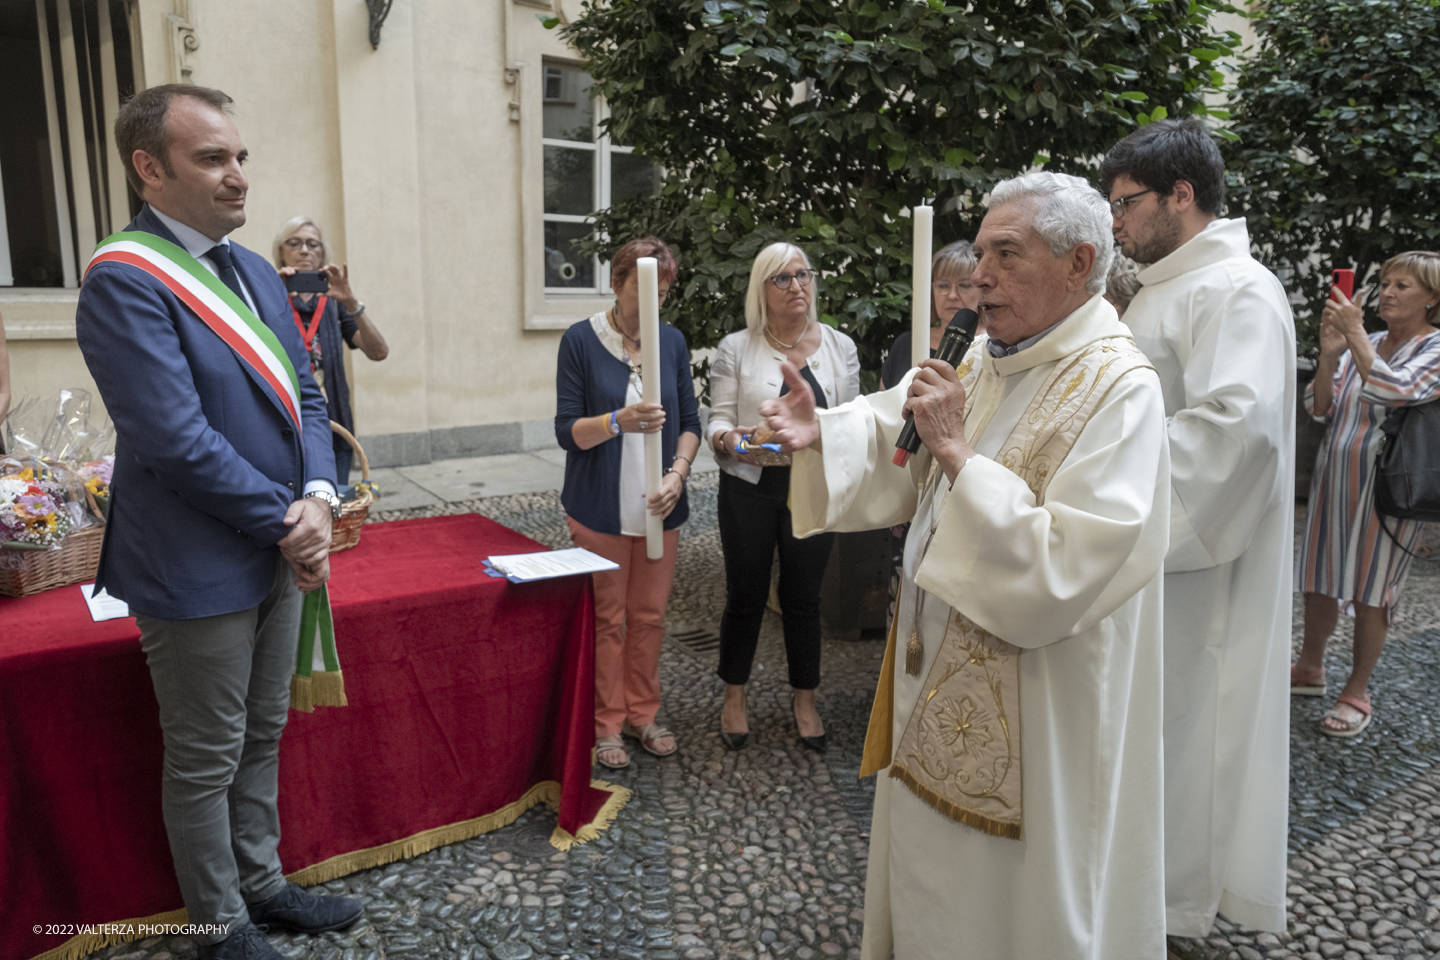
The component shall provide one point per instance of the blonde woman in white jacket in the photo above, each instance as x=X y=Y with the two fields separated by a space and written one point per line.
x=781 y=324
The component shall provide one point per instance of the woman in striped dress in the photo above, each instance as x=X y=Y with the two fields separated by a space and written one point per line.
x=1347 y=557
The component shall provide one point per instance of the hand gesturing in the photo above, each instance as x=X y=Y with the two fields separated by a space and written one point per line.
x=792 y=416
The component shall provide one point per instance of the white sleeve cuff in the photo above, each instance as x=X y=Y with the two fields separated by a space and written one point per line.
x=324 y=485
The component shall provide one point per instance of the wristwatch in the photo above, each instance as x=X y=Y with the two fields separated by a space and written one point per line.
x=330 y=499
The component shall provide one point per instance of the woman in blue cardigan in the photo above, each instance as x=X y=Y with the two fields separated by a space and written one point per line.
x=600 y=420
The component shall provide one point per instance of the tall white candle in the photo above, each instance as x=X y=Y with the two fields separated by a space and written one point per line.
x=924 y=218
x=650 y=393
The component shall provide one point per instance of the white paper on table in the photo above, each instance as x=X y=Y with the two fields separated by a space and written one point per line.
x=551 y=563
x=102 y=605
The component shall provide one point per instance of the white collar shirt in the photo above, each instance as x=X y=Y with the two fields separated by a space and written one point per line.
x=198 y=246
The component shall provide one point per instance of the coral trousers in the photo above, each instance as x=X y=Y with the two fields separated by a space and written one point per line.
x=629 y=626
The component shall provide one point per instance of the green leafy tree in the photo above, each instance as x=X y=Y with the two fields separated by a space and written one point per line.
x=822 y=121
x=1337 y=140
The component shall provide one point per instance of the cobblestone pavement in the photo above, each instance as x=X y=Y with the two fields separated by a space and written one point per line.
x=762 y=853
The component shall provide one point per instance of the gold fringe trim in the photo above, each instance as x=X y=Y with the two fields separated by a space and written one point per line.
x=86 y=943
x=563 y=840
x=302 y=698
x=1010 y=829
x=546 y=791
x=878 y=748
x=321 y=689
x=328 y=688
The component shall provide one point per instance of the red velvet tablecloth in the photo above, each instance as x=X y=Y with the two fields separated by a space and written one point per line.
x=468 y=696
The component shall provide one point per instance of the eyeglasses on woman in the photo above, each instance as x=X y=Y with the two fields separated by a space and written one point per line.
x=782 y=280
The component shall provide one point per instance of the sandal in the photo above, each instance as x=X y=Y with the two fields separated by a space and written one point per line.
x=1353 y=728
x=648 y=735
x=611 y=743
x=1306 y=686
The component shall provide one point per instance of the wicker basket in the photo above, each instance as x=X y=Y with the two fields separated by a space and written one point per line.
x=345 y=532
x=75 y=562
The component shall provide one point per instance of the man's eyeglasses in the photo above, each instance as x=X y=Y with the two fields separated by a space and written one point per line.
x=300 y=243
x=1118 y=205
x=782 y=280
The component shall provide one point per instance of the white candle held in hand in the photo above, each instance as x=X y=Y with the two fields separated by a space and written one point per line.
x=649 y=275
x=924 y=218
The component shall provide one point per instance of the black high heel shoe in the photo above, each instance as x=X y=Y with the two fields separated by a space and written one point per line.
x=819 y=744
x=734 y=741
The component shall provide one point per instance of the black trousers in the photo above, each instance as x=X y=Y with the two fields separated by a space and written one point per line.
x=754 y=520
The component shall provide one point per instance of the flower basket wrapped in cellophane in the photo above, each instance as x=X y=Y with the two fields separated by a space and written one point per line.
x=54 y=488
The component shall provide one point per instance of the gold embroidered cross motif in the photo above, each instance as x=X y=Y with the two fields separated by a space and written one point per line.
x=959 y=752
x=968 y=725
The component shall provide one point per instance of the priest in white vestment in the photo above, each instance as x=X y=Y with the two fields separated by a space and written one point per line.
x=1218 y=328
x=1019 y=700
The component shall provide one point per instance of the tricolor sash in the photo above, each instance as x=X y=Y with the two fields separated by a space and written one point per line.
x=215 y=304
x=317 y=681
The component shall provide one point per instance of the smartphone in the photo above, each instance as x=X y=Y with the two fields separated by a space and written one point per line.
x=1345 y=280
x=308 y=281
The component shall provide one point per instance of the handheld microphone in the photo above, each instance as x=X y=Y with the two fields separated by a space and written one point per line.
x=953 y=343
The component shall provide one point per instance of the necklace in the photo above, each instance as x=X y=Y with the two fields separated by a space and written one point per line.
x=610 y=315
x=781 y=343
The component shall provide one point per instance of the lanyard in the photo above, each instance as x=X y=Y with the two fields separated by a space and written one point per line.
x=309 y=335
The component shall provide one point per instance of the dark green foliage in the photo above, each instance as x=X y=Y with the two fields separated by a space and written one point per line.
x=900 y=101
x=1338 y=135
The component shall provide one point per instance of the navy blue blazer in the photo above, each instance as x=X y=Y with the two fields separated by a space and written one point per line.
x=589 y=381
x=207 y=461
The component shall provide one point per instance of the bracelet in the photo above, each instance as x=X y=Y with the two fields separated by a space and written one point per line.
x=684 y=477
x=614 y=424
x=360 y=311
x=681 y=456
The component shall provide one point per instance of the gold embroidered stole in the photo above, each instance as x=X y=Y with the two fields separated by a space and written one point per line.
x=960 y=751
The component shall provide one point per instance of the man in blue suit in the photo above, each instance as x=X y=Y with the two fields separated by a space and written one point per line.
x=224 y=493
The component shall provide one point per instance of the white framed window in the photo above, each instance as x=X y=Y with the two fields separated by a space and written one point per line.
x=584 y=171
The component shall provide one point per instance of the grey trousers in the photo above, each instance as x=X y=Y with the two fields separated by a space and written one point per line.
x=223 y=684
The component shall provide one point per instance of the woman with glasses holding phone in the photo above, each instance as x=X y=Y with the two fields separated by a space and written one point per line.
x=327 y=320
x=781 y=324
